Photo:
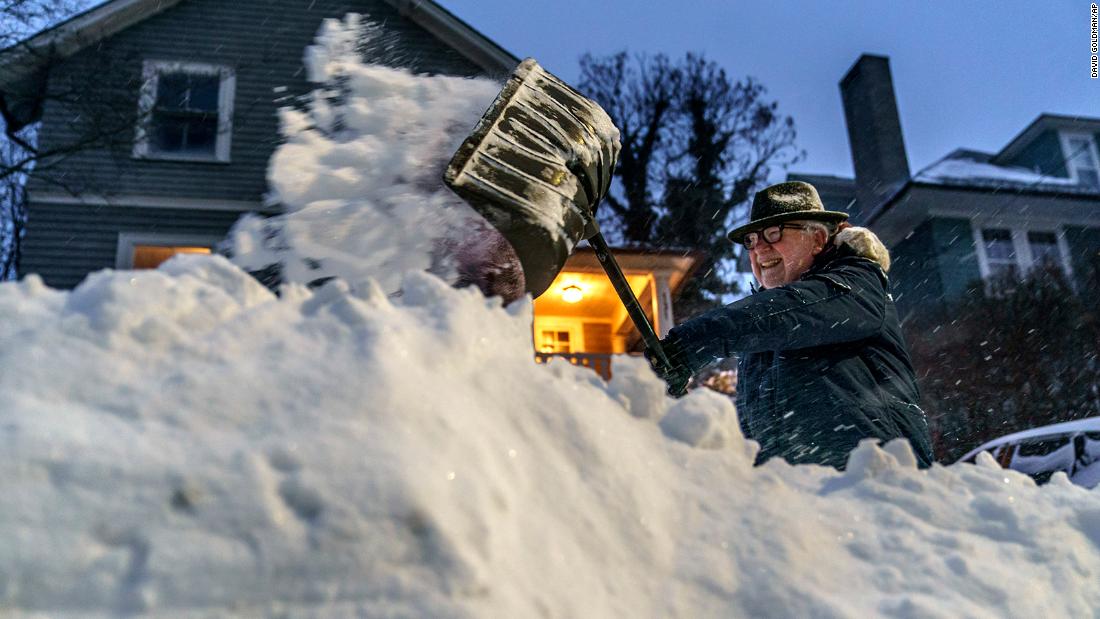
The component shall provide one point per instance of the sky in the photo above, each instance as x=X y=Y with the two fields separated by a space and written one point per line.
x=967 y=74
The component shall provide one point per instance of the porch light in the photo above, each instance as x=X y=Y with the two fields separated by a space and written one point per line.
x=572 y=293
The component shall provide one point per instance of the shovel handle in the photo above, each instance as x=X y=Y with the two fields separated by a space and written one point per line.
x=626 y=295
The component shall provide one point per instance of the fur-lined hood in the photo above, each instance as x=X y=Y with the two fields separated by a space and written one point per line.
x=864 y=243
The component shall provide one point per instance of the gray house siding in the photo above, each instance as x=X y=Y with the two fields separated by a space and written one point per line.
x=1043 y=155
x=91 y=233
x=956 y=255
x=914 y=273
x=263 y=41
x=935 y=266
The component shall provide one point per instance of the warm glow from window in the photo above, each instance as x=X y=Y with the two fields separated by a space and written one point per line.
x=572 y=293
x=150 y=256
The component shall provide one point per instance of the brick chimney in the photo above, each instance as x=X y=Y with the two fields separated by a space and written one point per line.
x=874 y=132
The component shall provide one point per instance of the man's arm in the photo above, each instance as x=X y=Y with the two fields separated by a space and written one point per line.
x=843 y=303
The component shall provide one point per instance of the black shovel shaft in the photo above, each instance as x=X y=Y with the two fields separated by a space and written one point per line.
x=626 y=295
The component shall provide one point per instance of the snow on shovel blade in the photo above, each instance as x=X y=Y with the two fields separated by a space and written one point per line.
x=536 y=165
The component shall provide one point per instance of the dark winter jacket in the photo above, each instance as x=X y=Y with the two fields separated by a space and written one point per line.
x=822 y=363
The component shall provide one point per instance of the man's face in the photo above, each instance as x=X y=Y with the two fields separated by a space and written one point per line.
x=782 y=262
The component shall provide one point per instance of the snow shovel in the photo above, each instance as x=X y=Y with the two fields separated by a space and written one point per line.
x=536 y=167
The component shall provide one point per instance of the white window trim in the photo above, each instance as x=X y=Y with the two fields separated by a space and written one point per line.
x=1067 y=153
x=128 y=241
x=1020 y=245
x=151 y=71
x=573 y=325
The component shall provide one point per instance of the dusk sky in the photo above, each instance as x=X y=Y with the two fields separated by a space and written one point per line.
x=967 y=74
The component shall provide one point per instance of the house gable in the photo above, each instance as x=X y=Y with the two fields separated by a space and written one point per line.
x=1042 y=155
x=79 y=205
x=21 y=64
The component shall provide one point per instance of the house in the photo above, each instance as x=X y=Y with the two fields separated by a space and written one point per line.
x=581 y=317
x=162 y=115
x=971 y=216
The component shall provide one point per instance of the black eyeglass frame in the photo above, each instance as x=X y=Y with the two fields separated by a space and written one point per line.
x=750 y=239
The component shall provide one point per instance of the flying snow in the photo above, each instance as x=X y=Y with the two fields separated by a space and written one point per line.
x=185 y=443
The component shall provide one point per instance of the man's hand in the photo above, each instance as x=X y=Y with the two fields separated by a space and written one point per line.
x=675 y=374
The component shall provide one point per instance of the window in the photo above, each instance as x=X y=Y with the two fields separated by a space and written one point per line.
x=1044 y=249
x=151 y=256
x=148 y=251
x=1000 y=255
x=185 y=112
x=1082 y=161
x=1010 y=251
x=554 y=341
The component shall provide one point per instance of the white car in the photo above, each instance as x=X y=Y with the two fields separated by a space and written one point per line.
x=1072 y=447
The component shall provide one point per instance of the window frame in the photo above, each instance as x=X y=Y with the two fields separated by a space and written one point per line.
x=128 y=241
x=227 y=85
x=574 y=327
x=1067 y=152
x=1025 y=260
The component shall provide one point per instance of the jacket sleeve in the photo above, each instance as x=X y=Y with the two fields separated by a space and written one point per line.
x=843 y=303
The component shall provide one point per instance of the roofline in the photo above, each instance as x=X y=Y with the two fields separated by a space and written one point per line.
x=73 y=34
x=695 y=255
x=885 y=206
x=452 y=30
x=1042 y=122
x=97 y=23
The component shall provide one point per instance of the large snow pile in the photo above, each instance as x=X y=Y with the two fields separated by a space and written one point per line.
x=184 y=443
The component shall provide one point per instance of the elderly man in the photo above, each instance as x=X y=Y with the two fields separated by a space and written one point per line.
x=821 y=359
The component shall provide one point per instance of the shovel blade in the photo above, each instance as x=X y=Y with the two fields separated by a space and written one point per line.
x=535 y=166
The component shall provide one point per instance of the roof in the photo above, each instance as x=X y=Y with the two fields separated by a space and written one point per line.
x=681 y=263
x=21 y=60
x=972 y=169
x=978 y=171
x=1043 y=123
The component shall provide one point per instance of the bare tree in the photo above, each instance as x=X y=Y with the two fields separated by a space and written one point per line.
x=695 y=145
x=91 y=110
x=19 y=152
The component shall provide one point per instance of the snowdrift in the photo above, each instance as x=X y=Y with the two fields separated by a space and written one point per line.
x=185 y=443
x=181 y=442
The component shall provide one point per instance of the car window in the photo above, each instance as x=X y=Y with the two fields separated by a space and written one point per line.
x=1092 y=447
x=1041 y=447
x=1042 y=457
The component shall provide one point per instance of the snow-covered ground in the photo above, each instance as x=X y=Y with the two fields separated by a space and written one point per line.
x=184 y=443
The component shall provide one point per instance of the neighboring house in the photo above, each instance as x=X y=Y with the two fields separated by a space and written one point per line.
x=971 y=216
x=175 y=101
x=581 y=317
x=183 y=106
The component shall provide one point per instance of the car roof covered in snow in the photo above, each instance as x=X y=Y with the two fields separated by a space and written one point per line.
x=1091 y=424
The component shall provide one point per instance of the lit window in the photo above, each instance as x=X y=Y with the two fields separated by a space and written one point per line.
x=554 y=341
x=185 y=112
x=151 y=256
x=147 y=250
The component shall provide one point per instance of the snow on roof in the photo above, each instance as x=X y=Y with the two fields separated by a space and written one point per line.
x=965 y=168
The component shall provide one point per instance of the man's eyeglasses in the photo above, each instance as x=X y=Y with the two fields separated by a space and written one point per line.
x=770 y=235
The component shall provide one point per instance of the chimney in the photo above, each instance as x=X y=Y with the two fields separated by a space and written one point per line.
x=874 y=132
